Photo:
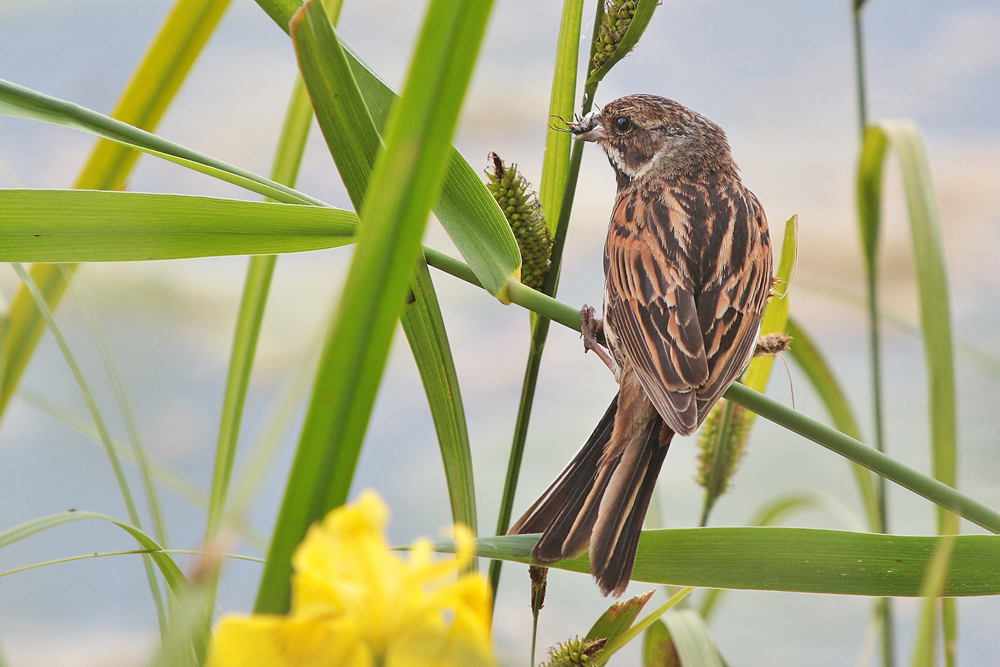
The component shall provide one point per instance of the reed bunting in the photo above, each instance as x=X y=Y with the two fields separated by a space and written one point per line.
x=687 y=266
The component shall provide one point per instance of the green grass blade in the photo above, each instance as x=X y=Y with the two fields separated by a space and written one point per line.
x=555 y=167
x=934 y=307
x=263 y=453
x=807 y=355
x=618 y=618
x=775 y=318
x=618 y=642
x=95 y=226
x=129 y=417
x=804 y=560
x=781 y=507
x=777 y=510
x=694 y=644
x=280 y=11
x=142 y=103
x=152 y=88
x=925 y=645
x=131 y=552
x=640 y=21
x=354 y=143
x=424 y=327
x=341 y=112
x=405 y=183
x=657 y=650
x=95 y=414
x=168 y=569
x=22 y=102
x=466 y=209
x=904 y=136
x=869 y=220
x=285 y=169
x=935 y=317
x=25 y=325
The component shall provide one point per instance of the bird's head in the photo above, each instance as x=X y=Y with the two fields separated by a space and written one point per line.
x=647 y=137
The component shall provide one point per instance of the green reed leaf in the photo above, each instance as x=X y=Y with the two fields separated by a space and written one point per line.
x=555 y=166
x=618 y=618
x=354 y=143
x=97 y=226
x=143 y=102
x=787 y=559
x=692 y=639
x=406 y=181
x=904 y=136
x=171 y=573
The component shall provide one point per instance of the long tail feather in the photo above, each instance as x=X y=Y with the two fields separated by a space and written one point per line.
x=600 y=500
x=559 y=509
x=615 y=538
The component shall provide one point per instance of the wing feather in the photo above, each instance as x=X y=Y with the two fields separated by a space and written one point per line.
x=687 y=277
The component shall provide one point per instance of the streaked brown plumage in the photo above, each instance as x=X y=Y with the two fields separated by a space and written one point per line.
x=687 y=267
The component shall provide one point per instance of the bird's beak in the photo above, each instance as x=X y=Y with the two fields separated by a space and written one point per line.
x=589 y=128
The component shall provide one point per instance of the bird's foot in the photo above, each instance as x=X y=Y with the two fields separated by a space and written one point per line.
x=589 y=326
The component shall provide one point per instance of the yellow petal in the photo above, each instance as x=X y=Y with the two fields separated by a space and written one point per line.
x=278 y=641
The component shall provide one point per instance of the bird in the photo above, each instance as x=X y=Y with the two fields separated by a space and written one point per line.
x=688 y=272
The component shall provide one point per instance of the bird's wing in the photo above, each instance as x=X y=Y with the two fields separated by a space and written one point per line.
x=730 y=308
x=650 y=311
x=688 y=273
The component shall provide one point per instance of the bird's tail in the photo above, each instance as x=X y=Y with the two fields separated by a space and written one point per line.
x=601 y=502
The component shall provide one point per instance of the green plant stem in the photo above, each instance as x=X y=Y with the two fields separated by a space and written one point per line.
x=846 y=446
x=284 y=170
x=883 y=607
x=539 y=335
x=876 y=461
x=49 y=319
x=859 y=67
x=539 y=332
x=127 y=412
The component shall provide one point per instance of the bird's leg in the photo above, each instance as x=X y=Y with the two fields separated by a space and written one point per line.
x=589 y=326
x=772 y=344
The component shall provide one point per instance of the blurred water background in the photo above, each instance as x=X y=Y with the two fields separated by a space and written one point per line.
x=776 y=74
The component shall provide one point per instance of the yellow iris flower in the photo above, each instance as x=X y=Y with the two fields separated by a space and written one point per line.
x=355 y=603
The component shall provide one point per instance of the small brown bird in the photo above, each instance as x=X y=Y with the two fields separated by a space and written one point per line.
x=687 y=266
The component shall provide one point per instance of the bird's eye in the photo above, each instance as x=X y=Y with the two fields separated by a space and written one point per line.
x=623 y=124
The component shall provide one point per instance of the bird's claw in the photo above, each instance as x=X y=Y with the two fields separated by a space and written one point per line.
x=589 y=326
